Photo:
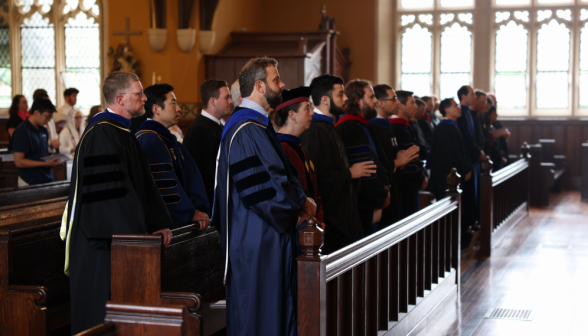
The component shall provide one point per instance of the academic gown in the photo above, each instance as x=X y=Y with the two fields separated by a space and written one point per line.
x=419 y=135
x=470 y=198
x=428 y=127
x=112 y=192
x=502 y=143
x=265 y=199
x=412 y=175
x=202 y=140
x=336 y=189
x=175 y=173
x=448 y=152
x=361 y=145
x=382 y=130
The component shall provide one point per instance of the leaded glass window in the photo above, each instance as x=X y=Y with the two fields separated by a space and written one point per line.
x=82 y=59
x=456 y=59
x=416 y=60
x=38 y=56
x=5 y=68
x=553 y=65
x=511 y=66
x=583 y=80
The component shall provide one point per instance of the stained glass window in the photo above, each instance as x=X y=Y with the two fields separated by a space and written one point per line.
x=37 y=37
x=511 y=66
x=553 y=64
x=456 y=60
x=416 y=60
x=584 y=67
x=5 y=68
x=82 y=59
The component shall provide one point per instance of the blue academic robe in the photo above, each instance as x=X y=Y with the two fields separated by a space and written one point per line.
x=265 y=199
x=174 y=171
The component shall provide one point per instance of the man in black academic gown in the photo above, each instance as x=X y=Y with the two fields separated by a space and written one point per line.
x=337 y=180
x=203 y=137
x=112 y=192
x=412 y=177
x=386 y=107
x=361 y=145
x=419 y=132
x=425 y=122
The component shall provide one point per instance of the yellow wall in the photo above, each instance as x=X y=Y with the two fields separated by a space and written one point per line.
x=185 y=71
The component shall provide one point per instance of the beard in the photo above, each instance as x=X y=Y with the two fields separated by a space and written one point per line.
x=336 y=110
x=273 y=98
x=368 y=112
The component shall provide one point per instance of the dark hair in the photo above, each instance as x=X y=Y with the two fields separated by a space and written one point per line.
x=380 y=91
x=93 y=112
x=489 y=101
x=43 y=105
x=323 y=86
x=281 y=116
x=426 y=99
x=445 y=103
x=420 y=102
x=116 y=83
x=480 y=93
x=70 y=91
x=463 y=91
x=40 y=94
x=255 y=70
x=403 y=96
x=13 y=111
x=354 y=91
x=156 y=94
x=211 y=89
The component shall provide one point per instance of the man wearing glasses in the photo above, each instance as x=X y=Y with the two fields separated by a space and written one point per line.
x=30 y=141
x=112 y=192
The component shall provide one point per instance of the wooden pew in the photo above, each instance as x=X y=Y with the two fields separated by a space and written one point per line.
x=138 y=320
x=504 y=200
x=35 y=193
x=34 y=291
x=188 y=272
x=9 y=170
x=559 y=162
x=388 y=282
x=542 y=176
x=425 y=199
x=584 y=167
x=34 y=213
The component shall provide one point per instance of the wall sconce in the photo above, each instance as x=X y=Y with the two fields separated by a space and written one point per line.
x=186 y=39
x=157 y=38
x=206 y=40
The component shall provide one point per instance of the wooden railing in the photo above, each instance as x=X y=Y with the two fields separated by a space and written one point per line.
x=504 y=199
x=390 y=280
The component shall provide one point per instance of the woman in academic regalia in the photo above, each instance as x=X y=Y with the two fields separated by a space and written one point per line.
x=293 y=116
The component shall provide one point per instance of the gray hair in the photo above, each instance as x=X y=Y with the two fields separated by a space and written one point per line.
x=255 y=70
x=235 y=93
x=116 y=83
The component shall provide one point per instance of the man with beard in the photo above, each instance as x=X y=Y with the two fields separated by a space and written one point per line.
x=112 y=192
x=337 y=181
x=361 y=146
x=411 y=177
x=387 y=106
x=258 y=205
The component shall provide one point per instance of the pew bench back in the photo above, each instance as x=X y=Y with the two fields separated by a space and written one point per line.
x=35 y=193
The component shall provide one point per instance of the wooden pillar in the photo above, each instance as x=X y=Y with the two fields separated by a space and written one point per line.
x=486 y=209
x=453 y=181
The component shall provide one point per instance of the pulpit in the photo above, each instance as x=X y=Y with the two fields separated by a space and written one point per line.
x=301 y=55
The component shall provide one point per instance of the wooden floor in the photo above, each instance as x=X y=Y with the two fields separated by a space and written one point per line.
x=523 y=274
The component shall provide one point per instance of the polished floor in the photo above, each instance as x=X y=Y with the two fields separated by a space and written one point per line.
x=530 y=269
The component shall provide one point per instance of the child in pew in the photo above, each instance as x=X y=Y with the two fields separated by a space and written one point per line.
x=447 y=150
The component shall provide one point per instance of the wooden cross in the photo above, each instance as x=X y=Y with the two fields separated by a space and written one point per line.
x=127 y=33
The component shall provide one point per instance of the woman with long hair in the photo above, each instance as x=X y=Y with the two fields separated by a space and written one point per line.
x=18 y=113
x=71 y=133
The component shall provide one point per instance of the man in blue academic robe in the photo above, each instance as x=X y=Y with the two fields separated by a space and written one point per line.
x=258 y=205
x=174 y=171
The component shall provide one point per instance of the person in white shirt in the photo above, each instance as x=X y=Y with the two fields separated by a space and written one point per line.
x=71 y=98
x=71 y=133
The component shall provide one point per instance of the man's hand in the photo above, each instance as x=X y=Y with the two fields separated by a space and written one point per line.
x=362 y=169
x=52 y=163
x=468 y=176
x=201 y=218
x=424 y=185
x=504 y=160
x=167 y=236
x=405 y=156
x=308 y=211
x=506 y=134
x=55 y=143
x=386 y=201
x=482 y=156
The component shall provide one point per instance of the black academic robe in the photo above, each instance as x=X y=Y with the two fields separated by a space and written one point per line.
x=448 y=152
x=202 y=140
x=112 y=192
x=361 y=145
x=470 y=198
x=480 y=129
x=428 y=127
x=382 y=130
x=502 y=143
x=420 y=140
x=412 y=175
x=336 y=189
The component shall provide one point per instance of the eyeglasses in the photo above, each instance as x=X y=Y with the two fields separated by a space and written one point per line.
x=138 y=94
x=47 y=117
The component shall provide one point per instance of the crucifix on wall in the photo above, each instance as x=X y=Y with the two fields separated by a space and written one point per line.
x=124 y=57
x=127 y=32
